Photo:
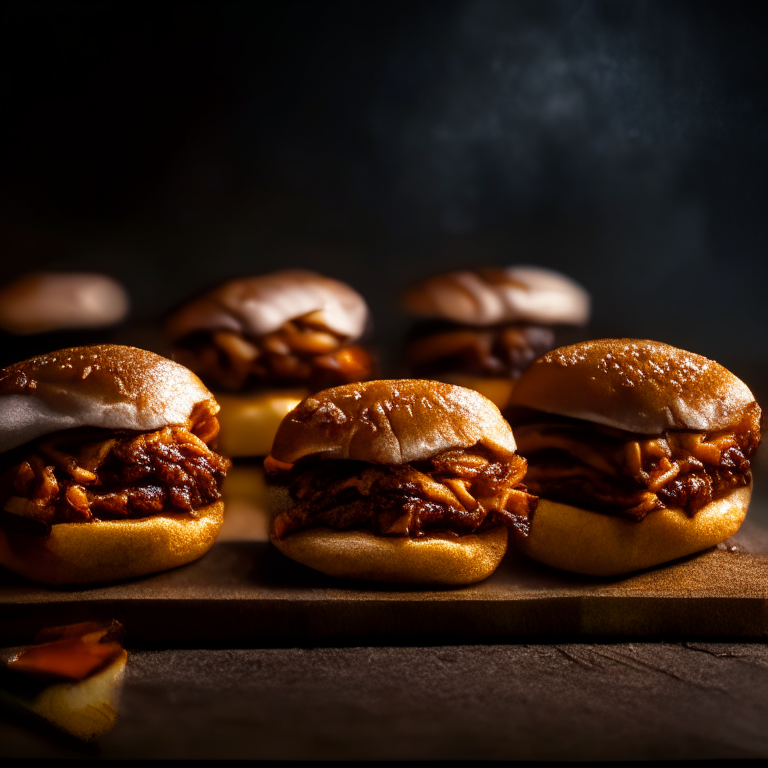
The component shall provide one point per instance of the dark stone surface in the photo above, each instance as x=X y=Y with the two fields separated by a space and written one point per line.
x=553 y=702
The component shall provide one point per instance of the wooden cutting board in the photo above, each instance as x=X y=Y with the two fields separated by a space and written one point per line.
x=244 y=593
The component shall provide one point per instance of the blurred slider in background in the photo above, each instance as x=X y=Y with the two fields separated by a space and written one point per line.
x=43 y=311
x=483 y=327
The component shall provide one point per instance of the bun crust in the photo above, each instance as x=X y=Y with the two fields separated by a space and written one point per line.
x=391 y=422
x=635 y=385
x=254 y=306
x=52 y=301
x=582 y=541
x=109 y=550
x=398 y=560
x=104 y=385
x=491 y=296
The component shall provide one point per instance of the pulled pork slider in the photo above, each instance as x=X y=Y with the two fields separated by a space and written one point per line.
x=639 y=451
x=488 y=325
x=264 y=343
x=107 y=470
x=404 y=481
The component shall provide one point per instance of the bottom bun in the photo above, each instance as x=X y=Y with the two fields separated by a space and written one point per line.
x=398 y=559
x=248 y=422
x=108 y=550
x=581 y=541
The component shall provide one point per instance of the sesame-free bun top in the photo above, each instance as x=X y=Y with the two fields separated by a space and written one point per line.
x=636 y=385
x=391 y=422
x=53 y=301
x=500 y=295
x=105 y=385
x=254 y=306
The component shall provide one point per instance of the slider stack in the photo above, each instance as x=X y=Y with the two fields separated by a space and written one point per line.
x=107 y=471
x=640 y=452
x=402 y=481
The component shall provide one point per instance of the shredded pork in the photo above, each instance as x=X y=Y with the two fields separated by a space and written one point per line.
x=619 y=472
x=460 y=492
x=505 y=350
x=79 y=475
x=300 y=352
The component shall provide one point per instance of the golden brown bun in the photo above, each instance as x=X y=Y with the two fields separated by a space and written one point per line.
x=399 y=559
x=108 y=550
x=248 y=422
x=105 y=385
x=53 y=301
x=491 y=296
x=636 y=385
x=581 y=541
x=254 y=306
x=391 y=422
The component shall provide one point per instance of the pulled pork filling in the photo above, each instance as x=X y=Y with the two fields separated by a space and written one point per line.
x=81 y=474
x=301 y=352
x=504 y=350
x=457 y=492
x=616 y=472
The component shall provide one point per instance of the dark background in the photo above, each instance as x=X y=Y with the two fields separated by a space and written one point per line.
x=175 y=145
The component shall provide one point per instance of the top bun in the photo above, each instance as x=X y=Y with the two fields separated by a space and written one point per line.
x=100 y=386
x=639 y=386
x=54 y=301
x=254 y=306
x=391 y=422
x=490 y=296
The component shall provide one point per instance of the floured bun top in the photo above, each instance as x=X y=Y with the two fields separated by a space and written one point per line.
x=500 y=295
x=53 y=301
x=639 y=386
x=255 y=306
x=391 y=422
x=99 y=386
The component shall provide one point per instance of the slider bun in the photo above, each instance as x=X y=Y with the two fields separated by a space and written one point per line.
x=391 y=422
x=108 y=550
x=53 y=301
x=360 y=554
x=248 y=422
x=639 y=386
x=105 y=385
x=581 y=541
x=491 y=296
x=254 y=306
